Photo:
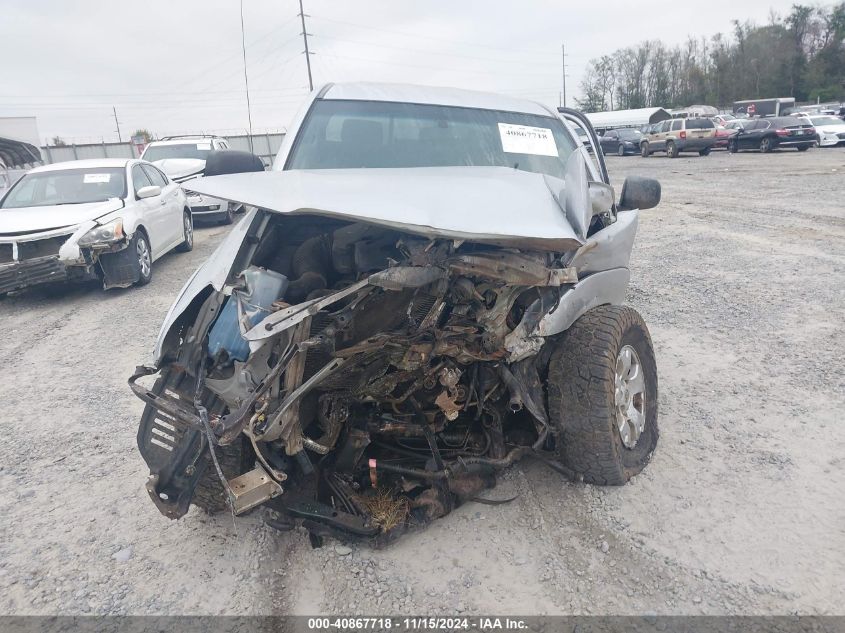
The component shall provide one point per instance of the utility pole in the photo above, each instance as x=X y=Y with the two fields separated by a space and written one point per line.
x=305 y=39
x=246 y=76
x=563 y=70
x=116 y=124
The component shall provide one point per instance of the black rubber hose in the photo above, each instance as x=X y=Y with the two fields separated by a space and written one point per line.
x=310 y=267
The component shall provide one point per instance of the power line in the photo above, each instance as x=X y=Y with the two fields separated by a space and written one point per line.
x=455 y=70
x=212 y=69
x=131 y=94
x=428 y=37
x=428 y=52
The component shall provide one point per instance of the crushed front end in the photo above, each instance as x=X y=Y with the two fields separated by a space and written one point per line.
x=353 y=378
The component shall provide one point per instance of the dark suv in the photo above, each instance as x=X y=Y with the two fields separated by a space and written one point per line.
x=771 y=133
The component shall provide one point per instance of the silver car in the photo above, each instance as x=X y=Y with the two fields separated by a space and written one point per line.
x=430 y=288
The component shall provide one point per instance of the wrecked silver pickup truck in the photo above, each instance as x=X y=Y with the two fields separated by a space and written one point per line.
x=429 y=290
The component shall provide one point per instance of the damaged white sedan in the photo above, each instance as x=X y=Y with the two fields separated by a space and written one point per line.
x=429 y=290
x=106 y=219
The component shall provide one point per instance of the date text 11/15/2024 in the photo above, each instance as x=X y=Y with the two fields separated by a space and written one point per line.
x=428 y=623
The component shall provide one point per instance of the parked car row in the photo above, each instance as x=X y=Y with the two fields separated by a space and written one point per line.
x=725 y=131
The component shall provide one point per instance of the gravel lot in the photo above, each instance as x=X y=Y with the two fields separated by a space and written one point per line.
x=740 y=274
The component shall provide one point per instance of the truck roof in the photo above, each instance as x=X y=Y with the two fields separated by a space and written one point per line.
x=431 y=95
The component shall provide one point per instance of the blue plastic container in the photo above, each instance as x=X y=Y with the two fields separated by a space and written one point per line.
x=263 y=287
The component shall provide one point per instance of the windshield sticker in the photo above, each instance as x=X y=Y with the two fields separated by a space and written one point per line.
x=95 y=178
x=205 y=146
x=525 y=139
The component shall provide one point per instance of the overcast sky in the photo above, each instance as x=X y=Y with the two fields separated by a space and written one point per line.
x=176 y=65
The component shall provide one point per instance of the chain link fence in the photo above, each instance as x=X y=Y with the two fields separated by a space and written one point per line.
x=264 y=145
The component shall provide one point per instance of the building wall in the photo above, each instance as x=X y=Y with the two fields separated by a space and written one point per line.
x=20 y=128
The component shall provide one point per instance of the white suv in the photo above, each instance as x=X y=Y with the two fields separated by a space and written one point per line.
x=183 y=158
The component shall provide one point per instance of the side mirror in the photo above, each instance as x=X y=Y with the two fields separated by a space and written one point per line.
x=150 y=191
x=231 y=162
x=639 y=193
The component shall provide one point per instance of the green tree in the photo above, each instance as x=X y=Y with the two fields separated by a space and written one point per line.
x=148 y=136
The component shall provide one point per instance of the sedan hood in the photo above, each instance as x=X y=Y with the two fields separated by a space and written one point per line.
x=181 y=168
x=35 y=219
x=492 y=205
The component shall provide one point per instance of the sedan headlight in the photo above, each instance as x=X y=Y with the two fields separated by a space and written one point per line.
x=104 y=234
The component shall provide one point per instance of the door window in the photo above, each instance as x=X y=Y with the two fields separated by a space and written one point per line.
x=139 y=179
x=155 y=176
x=677 y=124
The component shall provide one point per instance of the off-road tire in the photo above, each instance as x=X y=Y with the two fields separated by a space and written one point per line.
x=581 y=395
x=235 y=459
x=644 y=150
x=704 y=152
x=766 y=145
x=671 y=150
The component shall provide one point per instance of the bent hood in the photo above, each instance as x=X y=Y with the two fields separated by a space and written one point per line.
x=492 y=205
x=181 y=168
x=35 y=219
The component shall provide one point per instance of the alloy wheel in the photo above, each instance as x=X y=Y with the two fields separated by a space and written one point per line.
x=629 y=396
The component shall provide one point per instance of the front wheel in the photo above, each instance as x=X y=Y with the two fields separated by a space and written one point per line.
x=602 y=390
x=671 y=150
x=732 y=148
x=644 y=150
x=620 y=151
x=704 y=152
x=141 y=247
x=187 y=233
x=803 y=148
x=766 y=145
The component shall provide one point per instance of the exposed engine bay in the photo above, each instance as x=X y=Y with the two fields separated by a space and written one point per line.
x=353 y=378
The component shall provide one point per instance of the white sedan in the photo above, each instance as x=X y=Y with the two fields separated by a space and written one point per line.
x=106 y=218
x=831 y=130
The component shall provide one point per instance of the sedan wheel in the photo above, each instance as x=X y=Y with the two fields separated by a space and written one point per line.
x=766 y=145
x=188 y=233
x=145 y=259
x=644 y=150
x=620 y=151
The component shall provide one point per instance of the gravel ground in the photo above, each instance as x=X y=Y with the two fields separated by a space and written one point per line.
x=740 y=275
